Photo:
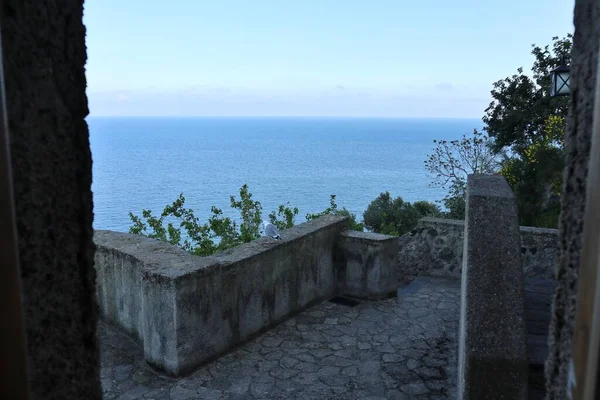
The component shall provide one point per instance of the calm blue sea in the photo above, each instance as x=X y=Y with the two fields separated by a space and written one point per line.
x=146 y=162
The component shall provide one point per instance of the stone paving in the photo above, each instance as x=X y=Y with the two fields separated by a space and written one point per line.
x=401 y=348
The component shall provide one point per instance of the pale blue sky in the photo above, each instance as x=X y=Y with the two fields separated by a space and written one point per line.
x=388 y=58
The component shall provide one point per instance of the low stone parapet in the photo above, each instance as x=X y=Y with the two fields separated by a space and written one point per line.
x=369 y=264
x=186 y=310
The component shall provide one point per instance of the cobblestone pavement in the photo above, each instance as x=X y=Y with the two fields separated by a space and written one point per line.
x=401 y=348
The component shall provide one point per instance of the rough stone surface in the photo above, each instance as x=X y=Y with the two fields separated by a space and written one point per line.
x=44 y=58
x=187 y=309
x=584 y=62
x=402 y=348
x=538 y=304
x=435 y=248
x=492 y=345
x=368 y=264
x=539 y=250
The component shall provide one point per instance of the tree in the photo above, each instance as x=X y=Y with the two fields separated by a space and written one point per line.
x=451 y=162
x=518 y=114
x=536 y=176
x=525 y=121
x=396 y=216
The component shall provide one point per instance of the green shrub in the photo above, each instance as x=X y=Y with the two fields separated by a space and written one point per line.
x=179 y=226
x=396 y=216
x=219 y=233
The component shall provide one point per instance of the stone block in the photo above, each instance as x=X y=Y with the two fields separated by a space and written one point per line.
x=492 y=344
x=368 y=265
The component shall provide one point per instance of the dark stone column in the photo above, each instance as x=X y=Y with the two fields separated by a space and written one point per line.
x=492 y=344
x=44 y=61
x=578 y=142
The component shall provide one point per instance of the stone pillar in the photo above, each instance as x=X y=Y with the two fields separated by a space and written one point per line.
x=584 y=58
x=44 y=60
x=492 y=342
x=369 y=264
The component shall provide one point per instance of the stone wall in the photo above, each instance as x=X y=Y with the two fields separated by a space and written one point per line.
x=584 y=64
x=435 y=247
x=44 y=59
x=186 y=309
x=539 y=250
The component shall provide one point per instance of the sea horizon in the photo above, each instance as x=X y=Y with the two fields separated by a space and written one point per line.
x=144 y=162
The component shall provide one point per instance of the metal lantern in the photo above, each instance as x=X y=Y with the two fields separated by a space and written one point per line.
x=559 y=78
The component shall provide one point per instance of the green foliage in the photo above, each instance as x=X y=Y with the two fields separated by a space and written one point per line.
x=396 y=216
x=219 y=233
x=455 y=202
x=251 y=214
x=536 y=177
x=334 y=210
x=524 y=141
x=525 y=120
x=179 y=226
x=517 y=116
x=285 y=217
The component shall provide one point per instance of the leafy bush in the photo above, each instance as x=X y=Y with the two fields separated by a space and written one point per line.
x=284 y=218
x=396 y=216
x=219 y=232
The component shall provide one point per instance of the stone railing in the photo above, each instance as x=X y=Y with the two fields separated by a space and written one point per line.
x=435 y=247
x=186 y=310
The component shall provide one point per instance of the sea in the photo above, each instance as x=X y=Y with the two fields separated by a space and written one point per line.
x=145 y=163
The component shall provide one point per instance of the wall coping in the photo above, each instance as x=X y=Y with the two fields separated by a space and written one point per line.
x=458 y=222
x=366 y=236
x=164 y=260
x=443 y=221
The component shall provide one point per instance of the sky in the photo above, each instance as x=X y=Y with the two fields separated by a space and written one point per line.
x=344 y=58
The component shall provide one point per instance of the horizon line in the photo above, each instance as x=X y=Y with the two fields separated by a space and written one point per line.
x=275 y=116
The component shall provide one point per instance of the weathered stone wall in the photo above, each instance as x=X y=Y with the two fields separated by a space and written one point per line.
x=44 y=58
x=584 y=61
x=539 y=251
x=435 y=247
x=187 y=309
x=368 y=264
